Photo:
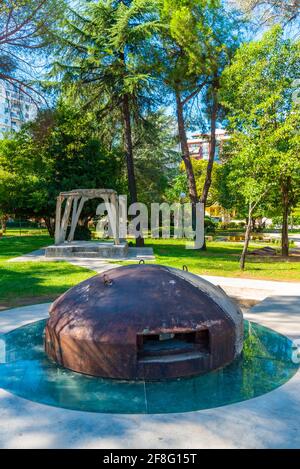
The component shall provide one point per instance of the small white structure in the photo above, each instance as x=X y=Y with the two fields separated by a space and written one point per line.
x=75 y=201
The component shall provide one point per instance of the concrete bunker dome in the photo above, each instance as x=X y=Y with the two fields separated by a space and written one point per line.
x=144 y=322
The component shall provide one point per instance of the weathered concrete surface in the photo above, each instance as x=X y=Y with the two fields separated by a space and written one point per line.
x=252 y=289
x=281 y=313
x=269 y=421
x=16 y=317
x=97 y=264
x=89 y=249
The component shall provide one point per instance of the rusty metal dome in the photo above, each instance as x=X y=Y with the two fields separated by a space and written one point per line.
x=144 y=322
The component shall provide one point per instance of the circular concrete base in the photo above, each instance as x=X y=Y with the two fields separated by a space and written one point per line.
x=264 y=365
x=268 y=421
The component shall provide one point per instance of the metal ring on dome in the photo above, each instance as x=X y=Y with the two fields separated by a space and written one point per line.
x=107 y=281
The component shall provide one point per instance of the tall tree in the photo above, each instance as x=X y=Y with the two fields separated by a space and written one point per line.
x=245 y=180
x=103 y=50
x=199 y=40
x=181 y=50
x=58 y=152
x=258 y=94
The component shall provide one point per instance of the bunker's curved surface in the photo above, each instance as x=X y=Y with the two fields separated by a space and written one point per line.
x=144 y=322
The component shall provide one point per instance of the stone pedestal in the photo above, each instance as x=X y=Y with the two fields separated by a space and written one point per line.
x=88 y=249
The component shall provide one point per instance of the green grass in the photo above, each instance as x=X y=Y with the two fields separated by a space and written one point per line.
x=222 y=258
x=33 y=282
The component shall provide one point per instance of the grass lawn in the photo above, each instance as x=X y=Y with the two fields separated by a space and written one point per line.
x=36 y=282
x=33 y=282
x=222 y=258
x=12 y=245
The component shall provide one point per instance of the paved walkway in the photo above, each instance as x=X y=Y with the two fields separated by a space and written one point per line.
x=269 y=421
x=247 y=289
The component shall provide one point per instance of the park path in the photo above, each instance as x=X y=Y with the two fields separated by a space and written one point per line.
x=240 y=288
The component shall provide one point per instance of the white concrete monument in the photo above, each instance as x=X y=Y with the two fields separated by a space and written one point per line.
x=73 y=202
x=77 y=199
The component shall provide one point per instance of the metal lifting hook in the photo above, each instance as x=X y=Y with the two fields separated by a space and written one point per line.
x=107 y=281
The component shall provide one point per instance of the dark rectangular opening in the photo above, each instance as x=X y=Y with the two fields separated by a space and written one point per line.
x=155 y=345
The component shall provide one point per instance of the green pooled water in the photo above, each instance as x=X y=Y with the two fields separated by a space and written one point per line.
x=27 y=372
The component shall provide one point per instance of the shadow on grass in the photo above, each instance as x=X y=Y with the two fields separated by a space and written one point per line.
x=226 y=253
x=21 y=283
x=13 y=246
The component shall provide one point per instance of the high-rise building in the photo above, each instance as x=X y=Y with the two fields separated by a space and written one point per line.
x=15 y=107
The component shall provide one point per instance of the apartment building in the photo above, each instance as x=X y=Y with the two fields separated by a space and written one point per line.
x=199 y=144
x=15 y=107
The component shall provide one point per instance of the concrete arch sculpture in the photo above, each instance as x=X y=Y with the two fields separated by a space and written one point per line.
x=75 y=201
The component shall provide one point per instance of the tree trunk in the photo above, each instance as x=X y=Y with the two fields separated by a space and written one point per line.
x=49 y=222
x=285 y=219
x=4 y=220
x=212 y=151
x=129 y=157
x=185 y=153
x=247 y=239
x=128 y=150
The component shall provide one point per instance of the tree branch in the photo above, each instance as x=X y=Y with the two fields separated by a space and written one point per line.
x=24 y=23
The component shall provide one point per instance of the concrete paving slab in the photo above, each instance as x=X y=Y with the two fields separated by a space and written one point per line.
x=281 y=313
x=258 y=290
x=16 y=317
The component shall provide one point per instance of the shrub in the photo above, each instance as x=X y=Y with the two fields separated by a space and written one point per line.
x=209 y=225
x=82 y=233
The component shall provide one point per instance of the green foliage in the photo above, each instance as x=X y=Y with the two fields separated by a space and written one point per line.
x=179 y=183
x=200 y=169
x=245 y=179
x=264 y=149
x=103 y=59
x=59 y=151
x=155 y=157
x=82 y=233
x=177 y=187
x=209 y=225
